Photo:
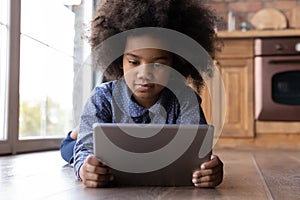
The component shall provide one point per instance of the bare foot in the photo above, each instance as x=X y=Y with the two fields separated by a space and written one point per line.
x=74 y=133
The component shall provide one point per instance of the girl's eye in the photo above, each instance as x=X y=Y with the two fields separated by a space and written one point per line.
x=157 y=65
x=132 y=62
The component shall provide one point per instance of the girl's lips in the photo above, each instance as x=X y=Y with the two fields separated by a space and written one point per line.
x=144 y=86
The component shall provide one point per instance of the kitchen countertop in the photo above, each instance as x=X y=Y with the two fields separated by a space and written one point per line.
x=259 y=33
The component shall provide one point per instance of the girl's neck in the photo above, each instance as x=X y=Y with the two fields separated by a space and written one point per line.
x=146 y=103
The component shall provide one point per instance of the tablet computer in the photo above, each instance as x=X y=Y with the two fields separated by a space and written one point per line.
x=152 y=154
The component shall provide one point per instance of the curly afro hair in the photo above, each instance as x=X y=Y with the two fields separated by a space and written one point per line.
x=189 y=17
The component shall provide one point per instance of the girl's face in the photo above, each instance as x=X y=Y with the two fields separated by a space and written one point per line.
x=146 y=71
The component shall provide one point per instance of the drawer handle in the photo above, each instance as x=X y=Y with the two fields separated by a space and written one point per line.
x=284 y=61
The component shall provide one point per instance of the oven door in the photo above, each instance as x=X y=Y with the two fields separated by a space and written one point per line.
x=277 y=88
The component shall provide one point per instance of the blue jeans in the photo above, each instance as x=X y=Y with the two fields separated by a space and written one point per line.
x=66 y=148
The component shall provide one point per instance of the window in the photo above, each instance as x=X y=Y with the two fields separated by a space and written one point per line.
x=47 y=83
x=46 y=69
x=3 y=66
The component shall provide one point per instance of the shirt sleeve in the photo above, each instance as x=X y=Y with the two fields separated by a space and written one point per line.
x=96 y=110
x=190 y=108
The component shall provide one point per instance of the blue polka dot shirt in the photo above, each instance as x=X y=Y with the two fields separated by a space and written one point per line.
x=112 y=102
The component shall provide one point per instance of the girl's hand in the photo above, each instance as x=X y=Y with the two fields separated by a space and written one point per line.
x=210 y=173
x=94 y=174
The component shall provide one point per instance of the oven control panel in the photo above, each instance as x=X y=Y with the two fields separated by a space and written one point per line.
x=277 y=46
x=297 y=47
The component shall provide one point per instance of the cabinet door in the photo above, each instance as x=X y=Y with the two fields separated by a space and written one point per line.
x=237 y=75
x=235 y=63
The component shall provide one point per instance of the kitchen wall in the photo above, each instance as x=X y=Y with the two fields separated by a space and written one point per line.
x=243 y=10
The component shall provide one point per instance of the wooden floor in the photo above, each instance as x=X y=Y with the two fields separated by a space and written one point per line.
x=263 y=174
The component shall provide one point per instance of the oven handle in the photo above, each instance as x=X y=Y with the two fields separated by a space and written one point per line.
x=293 y=61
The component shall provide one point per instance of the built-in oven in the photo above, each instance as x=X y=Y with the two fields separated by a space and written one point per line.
x=277 y=79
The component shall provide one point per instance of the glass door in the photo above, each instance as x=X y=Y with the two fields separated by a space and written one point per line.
x=286 y=88
x=46 y=69
x=4 y=144
x=45 y=51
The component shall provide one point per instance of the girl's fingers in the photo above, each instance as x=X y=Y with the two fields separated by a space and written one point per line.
x=92 y=160
x=98 y=177
x=205 y=184
x=94 y=174
x=210 y=174
x=97 y=170
x=210 y=178
x=94 y=184
x=207 y=172
x=96 y=180
x=207 y=181
x=215 y=161
x=93 y=165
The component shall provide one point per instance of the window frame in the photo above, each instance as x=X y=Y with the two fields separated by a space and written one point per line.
x=5 y=144
x=12 y=144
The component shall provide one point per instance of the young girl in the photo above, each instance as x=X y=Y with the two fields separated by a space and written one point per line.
x=141 y=92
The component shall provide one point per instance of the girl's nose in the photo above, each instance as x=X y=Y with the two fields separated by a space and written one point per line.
x=145 y=72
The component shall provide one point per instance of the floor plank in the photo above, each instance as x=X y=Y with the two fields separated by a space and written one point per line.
x=281 y=171
x=241 y=175
x=34 y=176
